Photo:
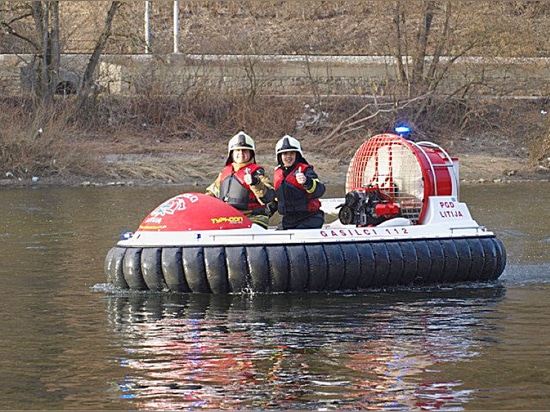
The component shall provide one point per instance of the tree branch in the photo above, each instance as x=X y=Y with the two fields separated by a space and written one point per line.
x=336 y=132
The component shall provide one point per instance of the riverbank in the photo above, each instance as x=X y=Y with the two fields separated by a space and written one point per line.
x=181 y=166
x=188 y=145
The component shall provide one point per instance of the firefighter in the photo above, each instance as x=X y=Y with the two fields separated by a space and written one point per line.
x=297 y=188
x=242 y=183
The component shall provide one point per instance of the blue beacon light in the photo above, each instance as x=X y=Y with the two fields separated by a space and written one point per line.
x=403 y=130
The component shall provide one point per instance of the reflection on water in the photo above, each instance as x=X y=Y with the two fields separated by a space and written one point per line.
x=368 y=351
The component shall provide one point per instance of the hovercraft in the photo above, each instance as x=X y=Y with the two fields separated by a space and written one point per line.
x=400 y=223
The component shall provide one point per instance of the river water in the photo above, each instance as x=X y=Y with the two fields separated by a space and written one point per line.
x=70 y=342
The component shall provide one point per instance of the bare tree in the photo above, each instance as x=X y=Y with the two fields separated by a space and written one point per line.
x=88 y=77
x=414 y=46
x=421 y=46
x=44 y=41
x=47 y=34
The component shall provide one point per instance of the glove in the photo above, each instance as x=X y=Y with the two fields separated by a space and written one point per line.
x=271 y=208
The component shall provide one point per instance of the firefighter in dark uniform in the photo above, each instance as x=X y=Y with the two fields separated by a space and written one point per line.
x=243 y=183
x=297 y=187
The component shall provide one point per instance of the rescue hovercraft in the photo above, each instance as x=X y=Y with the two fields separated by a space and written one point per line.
x=400 y=223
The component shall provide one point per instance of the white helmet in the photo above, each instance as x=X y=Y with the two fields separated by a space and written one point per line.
x=288 y=144
x=241 y=141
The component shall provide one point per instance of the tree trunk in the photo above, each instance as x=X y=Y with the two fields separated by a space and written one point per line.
x=419 y=53
x=88 y=77
x=46 y=19
x=441 y=43
x=55 y=48
x=397 y=19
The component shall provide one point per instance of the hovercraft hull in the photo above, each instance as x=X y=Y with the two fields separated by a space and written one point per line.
x=308 y=267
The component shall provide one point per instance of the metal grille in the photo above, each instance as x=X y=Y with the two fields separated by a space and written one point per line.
x=388 y=163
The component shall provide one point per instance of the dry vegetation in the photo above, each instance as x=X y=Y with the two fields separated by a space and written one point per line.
x=495 y=28
x=182 y=139
x=188 y=145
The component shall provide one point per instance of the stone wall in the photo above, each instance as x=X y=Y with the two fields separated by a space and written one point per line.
x=355 y=75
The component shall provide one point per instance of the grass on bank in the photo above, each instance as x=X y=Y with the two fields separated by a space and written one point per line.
x=58 y=141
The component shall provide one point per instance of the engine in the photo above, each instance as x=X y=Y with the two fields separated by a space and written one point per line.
x=367 y=207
